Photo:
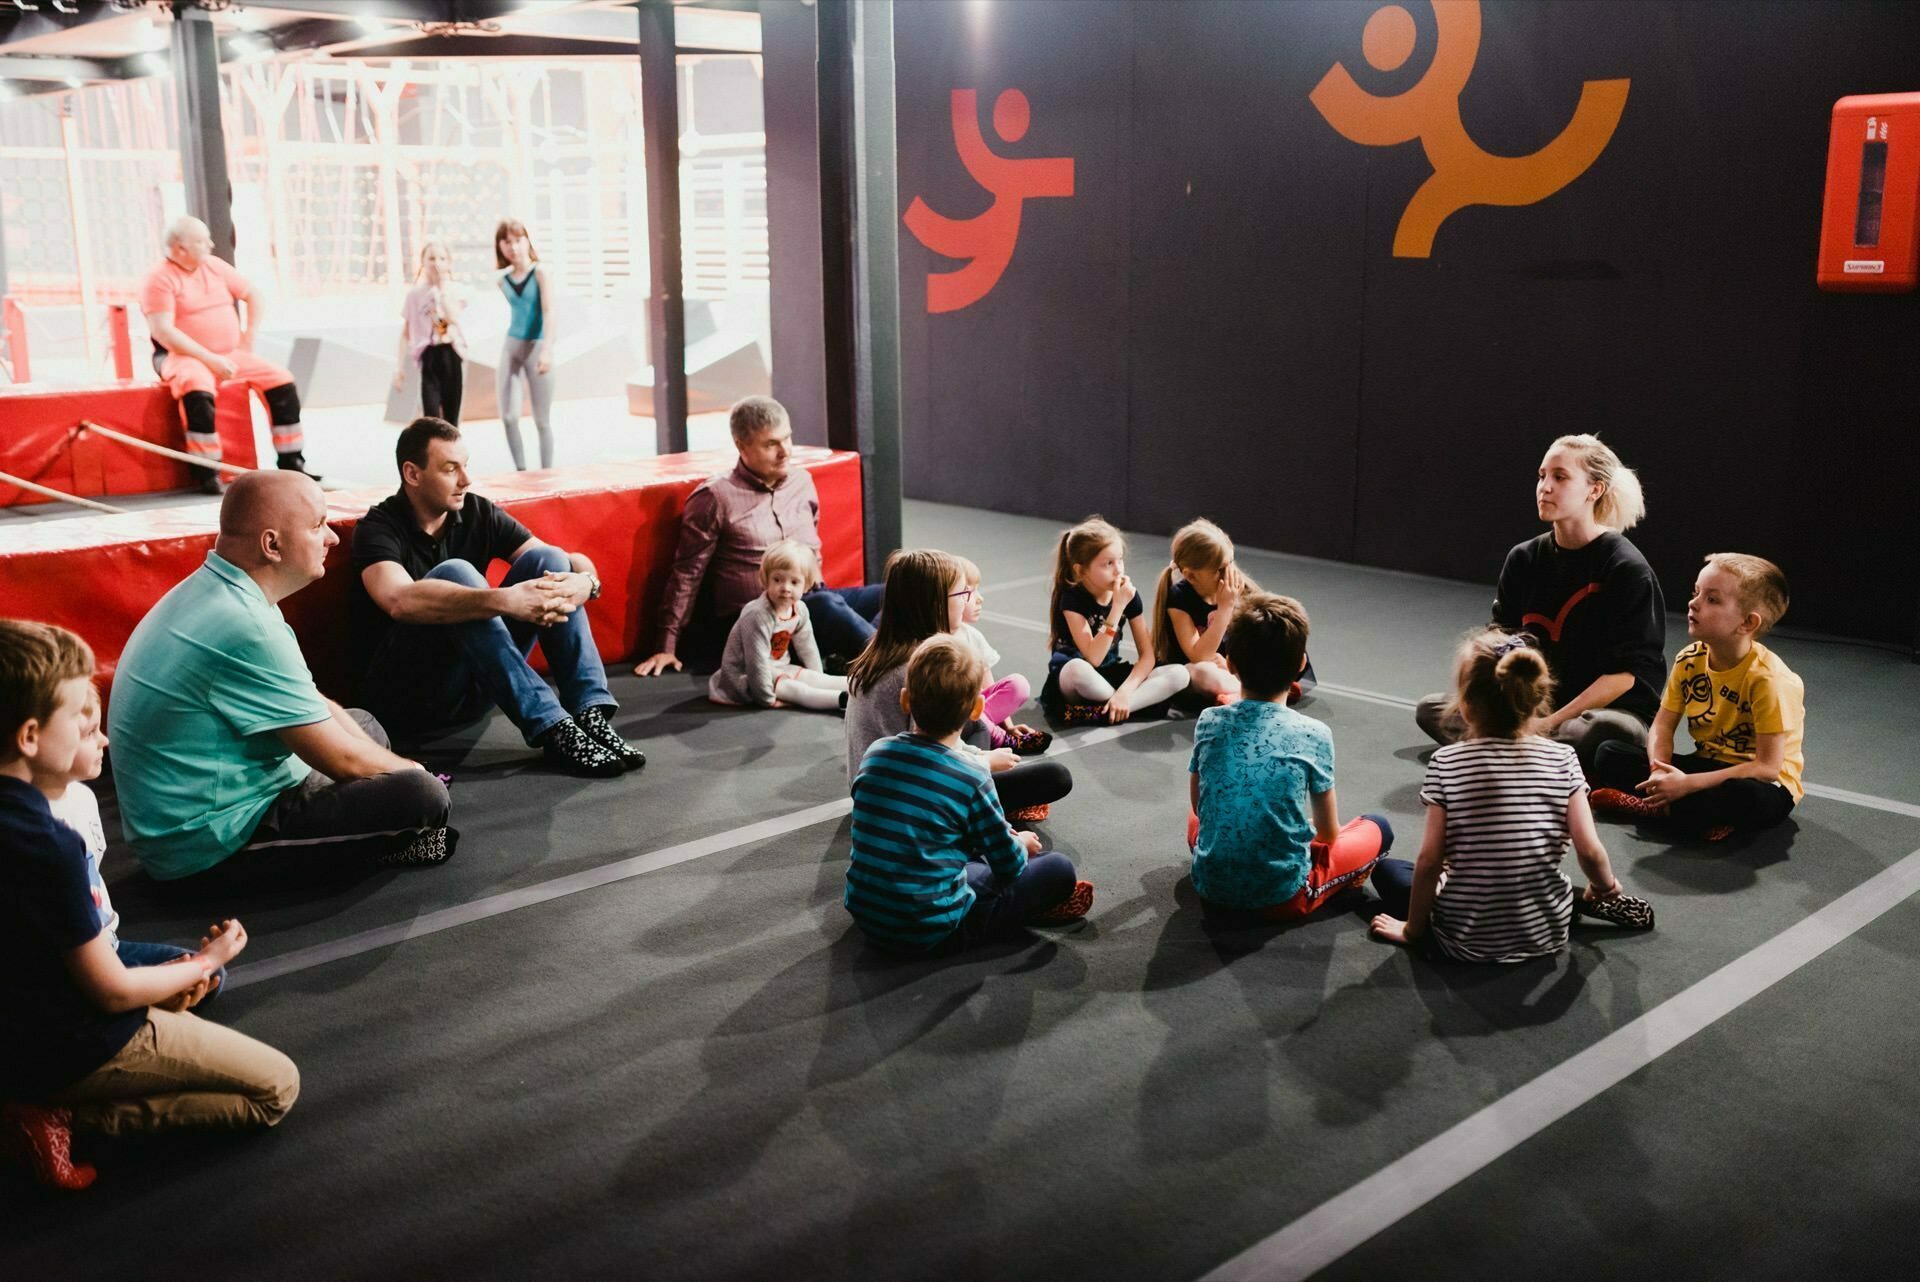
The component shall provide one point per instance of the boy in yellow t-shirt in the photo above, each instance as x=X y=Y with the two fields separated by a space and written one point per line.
x=1744 y=709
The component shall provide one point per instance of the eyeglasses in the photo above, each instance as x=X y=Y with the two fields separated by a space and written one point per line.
x=961 y=592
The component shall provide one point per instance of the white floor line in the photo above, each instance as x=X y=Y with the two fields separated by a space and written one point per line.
x=526 y=896
x=1342 y=1223
x=508 y=900
x=1012 y=620
x=1007 y=585
x=1862 y=799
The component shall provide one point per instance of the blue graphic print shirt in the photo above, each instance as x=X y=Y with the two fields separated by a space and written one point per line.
x=1260 y=764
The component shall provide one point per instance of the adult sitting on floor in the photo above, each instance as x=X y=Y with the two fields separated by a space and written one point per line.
x=1589 y=601
x=436 y=645
x=191 y=301
x=730 y=522
x=222 y=745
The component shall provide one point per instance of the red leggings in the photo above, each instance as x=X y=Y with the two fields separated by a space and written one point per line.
x=1335 y=867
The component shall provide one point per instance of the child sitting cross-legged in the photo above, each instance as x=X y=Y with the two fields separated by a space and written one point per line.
x=1745 y=710
x=1006 y=695
x=935 y=865
x=1502 y=803
x=87 y=1041
x=771 y=659
x=76 y=808
x=1265 y=830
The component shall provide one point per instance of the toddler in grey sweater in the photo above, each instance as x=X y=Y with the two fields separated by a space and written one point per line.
x=771 y=659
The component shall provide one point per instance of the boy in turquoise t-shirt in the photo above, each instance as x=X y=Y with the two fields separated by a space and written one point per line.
x=1265 y=831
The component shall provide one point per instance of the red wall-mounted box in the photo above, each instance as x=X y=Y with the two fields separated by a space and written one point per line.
x=1869 y=232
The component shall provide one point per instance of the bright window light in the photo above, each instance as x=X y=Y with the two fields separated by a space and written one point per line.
x=372 y=26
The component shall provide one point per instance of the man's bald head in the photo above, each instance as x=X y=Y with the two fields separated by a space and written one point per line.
x=188 y=238
x=258 y=501
x=273 y=525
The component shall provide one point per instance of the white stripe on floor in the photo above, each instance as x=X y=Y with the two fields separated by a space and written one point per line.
x=1866 y=800
x=507 y=901
x=1339 y=1225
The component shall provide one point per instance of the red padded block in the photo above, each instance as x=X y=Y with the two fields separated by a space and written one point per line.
x=100 y=575
x=38 y=440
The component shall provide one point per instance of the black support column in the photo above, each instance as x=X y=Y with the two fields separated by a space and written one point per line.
x=860 y=258
x=203 y=141
x=666 y=309
x=788 y=86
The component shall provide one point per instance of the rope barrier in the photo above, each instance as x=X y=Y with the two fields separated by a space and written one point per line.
x=87 y=425
x=21 y=483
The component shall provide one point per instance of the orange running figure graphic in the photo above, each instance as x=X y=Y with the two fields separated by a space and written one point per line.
x=986 y=239
x=1463 y=174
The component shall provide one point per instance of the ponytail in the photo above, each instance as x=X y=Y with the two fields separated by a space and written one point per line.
x=1164 y=642
x=1078 y=546
x=1501 y=684
x=1622 y=503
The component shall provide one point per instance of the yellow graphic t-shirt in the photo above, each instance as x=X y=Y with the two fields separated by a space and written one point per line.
x=1727 y=712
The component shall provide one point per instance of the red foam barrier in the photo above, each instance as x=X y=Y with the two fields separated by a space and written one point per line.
x=37 y=440
x=99 y=575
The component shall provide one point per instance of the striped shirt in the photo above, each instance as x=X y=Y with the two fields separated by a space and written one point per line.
x=1502 y=894
x=920 y=811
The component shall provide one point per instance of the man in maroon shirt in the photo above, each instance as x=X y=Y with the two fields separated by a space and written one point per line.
x=727 y=526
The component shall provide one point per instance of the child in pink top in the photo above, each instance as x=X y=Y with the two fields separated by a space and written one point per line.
x=431 y=337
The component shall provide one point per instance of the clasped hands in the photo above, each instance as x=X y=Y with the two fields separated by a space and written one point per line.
x=548 y=599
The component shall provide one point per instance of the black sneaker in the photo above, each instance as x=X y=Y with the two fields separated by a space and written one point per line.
x=597 y=722
x=296 y=461
x=434 y=846
x=207 y=480
x=576 y=752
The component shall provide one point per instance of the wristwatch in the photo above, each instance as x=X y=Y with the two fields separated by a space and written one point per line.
x=595 y=594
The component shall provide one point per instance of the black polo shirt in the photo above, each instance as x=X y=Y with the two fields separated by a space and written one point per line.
x=479 y=533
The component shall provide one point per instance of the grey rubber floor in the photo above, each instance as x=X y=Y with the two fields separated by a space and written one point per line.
x=699 y=1072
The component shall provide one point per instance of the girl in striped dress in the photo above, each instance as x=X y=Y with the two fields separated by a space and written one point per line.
x=1502 y=804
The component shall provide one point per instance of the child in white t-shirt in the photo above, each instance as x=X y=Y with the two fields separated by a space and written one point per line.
x=78 y=809
x=1006 y=695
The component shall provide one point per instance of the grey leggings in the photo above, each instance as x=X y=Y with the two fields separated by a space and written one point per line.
x=517 y=357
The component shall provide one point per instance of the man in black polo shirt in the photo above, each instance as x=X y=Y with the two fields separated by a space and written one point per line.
x=435 y=644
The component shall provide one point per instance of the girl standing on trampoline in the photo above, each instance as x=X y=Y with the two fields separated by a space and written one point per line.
x=528 y=351
x=1589 y=601
x=431 y=337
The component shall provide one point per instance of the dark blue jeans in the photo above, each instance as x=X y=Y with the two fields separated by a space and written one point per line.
x=133 y=954
x=843 y=618
x=427 y=676
x=1002 y=908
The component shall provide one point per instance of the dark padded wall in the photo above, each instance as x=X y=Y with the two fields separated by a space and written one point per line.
x=1214 y=322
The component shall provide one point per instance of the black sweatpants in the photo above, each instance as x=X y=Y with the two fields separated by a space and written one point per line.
x=1744 y=804
x=441 y=382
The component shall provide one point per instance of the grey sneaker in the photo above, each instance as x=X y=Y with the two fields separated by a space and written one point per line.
x=598 y=723
x=576 y=752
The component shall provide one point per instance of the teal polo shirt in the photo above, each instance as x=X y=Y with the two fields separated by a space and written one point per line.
x=204 y=682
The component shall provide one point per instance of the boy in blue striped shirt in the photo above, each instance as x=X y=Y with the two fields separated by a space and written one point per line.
x=935 y=867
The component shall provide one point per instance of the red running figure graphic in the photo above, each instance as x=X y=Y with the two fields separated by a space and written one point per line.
x=985 y=240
